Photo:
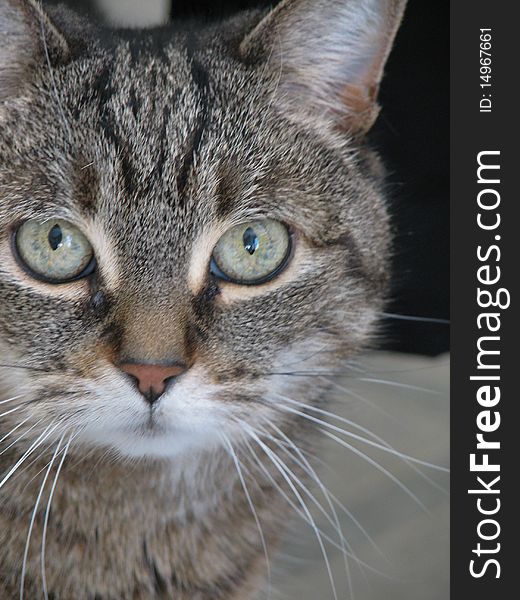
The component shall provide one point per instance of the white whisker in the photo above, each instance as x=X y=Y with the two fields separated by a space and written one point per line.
x=300 y=513
x=357 y=396
x=14 y=429
x=38 y=442
x=277 y=462
x=379 y=467
x=406 y=386
x=8 y=412
x=33 y=517
x=414 y=318
x=21 y=436
x=356 y=451
x=47 y=513
x=236 y=461
x=307 y=467
x=29 y=464
x=356 y=522
x=380 y=445
x=10 y=399
x=338 y=502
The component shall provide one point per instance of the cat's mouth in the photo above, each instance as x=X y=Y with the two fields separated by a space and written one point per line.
x=153 y=426
x=153 y=439
x=156 y=425
x=179 y=424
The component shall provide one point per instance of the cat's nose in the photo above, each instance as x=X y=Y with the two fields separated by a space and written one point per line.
x=151 y=380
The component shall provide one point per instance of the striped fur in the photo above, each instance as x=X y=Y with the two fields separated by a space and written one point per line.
x=155 y=142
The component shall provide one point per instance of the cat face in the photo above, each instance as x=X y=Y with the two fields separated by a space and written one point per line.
x=186 y=218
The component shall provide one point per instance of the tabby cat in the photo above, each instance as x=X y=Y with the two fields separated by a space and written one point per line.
x=192 y=226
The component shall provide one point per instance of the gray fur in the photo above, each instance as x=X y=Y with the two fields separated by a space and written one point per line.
x=151 y=138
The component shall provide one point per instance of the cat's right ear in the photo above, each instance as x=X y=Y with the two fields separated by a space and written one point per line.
x=327 y=56
x=28 y=41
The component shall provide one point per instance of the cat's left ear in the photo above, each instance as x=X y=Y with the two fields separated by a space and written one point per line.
x=28 y=39
x=330 y=55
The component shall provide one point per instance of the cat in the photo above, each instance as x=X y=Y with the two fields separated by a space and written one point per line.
x=192 y=226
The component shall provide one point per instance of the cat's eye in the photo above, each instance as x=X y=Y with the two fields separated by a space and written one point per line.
x=54 y=250
x=252 y=253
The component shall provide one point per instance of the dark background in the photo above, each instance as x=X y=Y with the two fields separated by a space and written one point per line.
x=412 y=135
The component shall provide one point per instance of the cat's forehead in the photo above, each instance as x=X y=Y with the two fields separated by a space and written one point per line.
x=155 y=142
x=153 y=131
x=182 y=136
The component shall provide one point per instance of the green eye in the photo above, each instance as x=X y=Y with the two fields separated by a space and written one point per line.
x=252 y=253
x=54 y=250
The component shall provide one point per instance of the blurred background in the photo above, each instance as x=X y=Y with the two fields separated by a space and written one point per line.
x=393 y=512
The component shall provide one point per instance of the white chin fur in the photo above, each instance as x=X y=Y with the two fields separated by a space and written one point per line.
x=142 y=444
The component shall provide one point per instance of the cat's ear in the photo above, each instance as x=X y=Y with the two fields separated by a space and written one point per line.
x=28 y=39
x=330 y=55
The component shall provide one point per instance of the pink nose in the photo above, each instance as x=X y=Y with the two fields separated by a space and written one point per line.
x=152 y=379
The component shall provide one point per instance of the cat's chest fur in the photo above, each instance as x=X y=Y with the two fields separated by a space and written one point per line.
x=139 y=532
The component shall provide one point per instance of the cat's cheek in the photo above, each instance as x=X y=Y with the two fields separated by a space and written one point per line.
x=13 y=381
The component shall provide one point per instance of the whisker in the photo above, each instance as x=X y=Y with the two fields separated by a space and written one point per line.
x=236 y=461
x=437 y=364
x=400 y=385
x=334 y=498
x=379 y=467
x=20 y=437
x=10 y=399
x=28 y=466
x=29 y=367
x=331 y=495
x=357 y=452
x=414 y=318
x=47 y=513
x=381 y=444
x=307 y=373
x=356 y=522
x=300 y=513
x=33 y=517
x=373 y=406
x=14 y=429
x=349 y=374
x=307 y=467
x=332 y=415
x=277 y=462
x=308 y=357
x=38 y=442
x=8 y=412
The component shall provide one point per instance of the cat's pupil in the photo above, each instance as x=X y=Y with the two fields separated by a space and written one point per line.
x=55 y=237
x=250 y=240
